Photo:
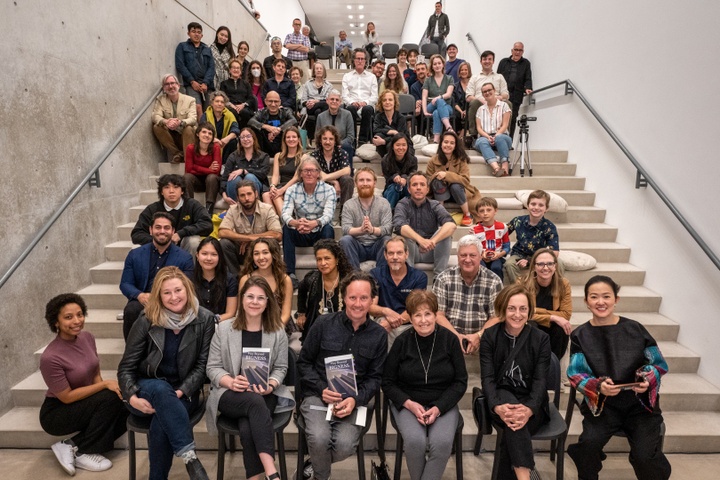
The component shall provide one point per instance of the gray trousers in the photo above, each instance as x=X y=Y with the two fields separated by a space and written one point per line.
x=427 y=450
x=439 y=257
x=328 y=442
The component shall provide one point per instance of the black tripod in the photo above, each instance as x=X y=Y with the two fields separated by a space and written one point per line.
x=524 y=152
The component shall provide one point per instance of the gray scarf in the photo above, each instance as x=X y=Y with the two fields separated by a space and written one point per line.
x=176 y=321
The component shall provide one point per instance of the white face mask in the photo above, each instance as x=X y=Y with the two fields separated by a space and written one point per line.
x=255 y=72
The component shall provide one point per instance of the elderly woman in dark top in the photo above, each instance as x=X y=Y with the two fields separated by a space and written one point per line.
x=242 y=103
x=616 y=364
x=514 y=362
x=248 y=162
x=388 y=121
x=425 y=378
x=319 y=291
x=397 y=165
x=78 y=401
x=216 y=288
x=163 y=370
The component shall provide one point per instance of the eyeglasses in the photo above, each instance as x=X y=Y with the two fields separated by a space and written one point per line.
x=252 y=298
x=309 y=170
x=167 y=84
x=542 y=265
x=487 y=92
x=518 y=50
x=245 y=137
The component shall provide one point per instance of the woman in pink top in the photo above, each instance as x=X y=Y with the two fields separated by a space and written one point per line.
x=203 y=161
x=78 y=399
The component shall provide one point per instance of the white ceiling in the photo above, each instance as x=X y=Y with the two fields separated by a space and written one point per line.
x=328 y=17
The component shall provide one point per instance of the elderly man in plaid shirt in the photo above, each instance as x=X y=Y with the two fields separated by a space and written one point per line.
x=466 y=294
x=307 y=213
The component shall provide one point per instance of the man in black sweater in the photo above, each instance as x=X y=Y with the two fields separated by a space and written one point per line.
x=190 y=219
x=518 y=75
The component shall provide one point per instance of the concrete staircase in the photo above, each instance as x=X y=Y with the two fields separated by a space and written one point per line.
x=691 y=405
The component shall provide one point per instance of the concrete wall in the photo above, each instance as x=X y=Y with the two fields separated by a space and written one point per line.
x=74 y=76
x=648 y=67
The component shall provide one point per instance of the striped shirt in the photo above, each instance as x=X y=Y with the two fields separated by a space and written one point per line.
x=492 y=120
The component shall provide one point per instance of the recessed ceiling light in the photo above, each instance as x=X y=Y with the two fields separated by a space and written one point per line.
x=349 y=7
x=362 y=25
x=350 y=17
x=352 y=32
x=360 y=7
x=361 y=17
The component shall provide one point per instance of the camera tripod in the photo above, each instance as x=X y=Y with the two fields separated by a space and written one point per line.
x=524 y=152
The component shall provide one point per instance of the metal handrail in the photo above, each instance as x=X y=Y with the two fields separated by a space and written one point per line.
x=92 y=178
x=642 y=178
x=470 y=39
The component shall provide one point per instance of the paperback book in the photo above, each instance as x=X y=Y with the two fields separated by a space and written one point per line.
x=256 y=366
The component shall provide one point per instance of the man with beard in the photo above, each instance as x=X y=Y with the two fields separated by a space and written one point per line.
x=466 y=295
x=366 y=221
x=247 y=220
x=143 y=263
x=174 y=118
x=395 y=279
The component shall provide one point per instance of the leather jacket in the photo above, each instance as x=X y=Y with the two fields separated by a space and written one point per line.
x=144 y=351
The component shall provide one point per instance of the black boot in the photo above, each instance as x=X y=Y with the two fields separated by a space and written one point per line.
x=210 y=206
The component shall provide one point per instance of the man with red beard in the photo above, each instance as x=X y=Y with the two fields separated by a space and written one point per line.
x=366 y=221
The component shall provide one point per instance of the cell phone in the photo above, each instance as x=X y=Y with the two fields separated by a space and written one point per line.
x=628 y=386
x=465 y=344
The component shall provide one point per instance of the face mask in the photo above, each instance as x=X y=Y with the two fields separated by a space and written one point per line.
x=255 y=72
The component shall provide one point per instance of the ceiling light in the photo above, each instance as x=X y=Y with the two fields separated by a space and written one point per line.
x=361 y=17
x=362 y=25
x=350 y=17
x=349 y=7
x=360 y=7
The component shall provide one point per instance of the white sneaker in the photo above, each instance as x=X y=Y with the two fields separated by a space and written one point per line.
x=93 y=462
x=65 y=454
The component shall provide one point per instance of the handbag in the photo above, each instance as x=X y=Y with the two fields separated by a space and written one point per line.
x=469 y=141
x=481 y=411
x=379 y=471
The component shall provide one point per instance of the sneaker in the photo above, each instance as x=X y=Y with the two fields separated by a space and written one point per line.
x=308 y=471
x=93 y=462
x=195 y=469
x=294 y=280
x=65 y=454
x=467 y=220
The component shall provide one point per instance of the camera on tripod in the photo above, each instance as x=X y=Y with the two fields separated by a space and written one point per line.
x=522 y=121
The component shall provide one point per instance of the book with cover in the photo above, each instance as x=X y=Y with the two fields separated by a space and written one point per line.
x=256 y=366
x=340 y=372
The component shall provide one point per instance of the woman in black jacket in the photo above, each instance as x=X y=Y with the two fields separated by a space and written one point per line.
x=163 y=370
x=388 y=121
x=248 y=162
x=514 y=361
x=397 y=165
x=243 y=103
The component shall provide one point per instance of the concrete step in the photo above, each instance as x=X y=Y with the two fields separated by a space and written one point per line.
x=573 y=197
x=659 y=326
x=546 y=182
x=104 y=323
x=110 y=352
x=104 y=296
x=117 y=251
x=633 y=298
x=107 y=272
x=124 y=231
x=600 y=251
x=31 y=391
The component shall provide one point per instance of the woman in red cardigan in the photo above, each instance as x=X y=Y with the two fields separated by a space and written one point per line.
x=203 y=161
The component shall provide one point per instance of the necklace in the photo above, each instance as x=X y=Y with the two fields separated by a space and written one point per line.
x=426 y=369
x=328 y=296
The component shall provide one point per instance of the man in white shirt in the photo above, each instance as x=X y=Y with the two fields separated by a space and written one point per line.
x=359 y=94
x=473 y=92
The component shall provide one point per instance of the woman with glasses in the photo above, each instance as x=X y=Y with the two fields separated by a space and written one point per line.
x=243 y=103
x=553 y=299
x=265 y=260
x=248 y=162
x=492 y=121
x=257 y=325
x=319 y=291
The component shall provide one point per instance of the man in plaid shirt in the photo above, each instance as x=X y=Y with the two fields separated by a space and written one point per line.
x=466 y=294
x=298 y=46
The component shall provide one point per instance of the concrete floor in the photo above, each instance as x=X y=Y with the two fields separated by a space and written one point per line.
x=40 y=464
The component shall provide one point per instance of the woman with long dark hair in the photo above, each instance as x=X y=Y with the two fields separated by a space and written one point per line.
x=216 y=288
x=222 y=52
x=437 y=96
x=256 y=79
x=285 y=164
x=449 y=174
x=243 y=49
x=203 y=162
x=248 y=162
x=397 y=166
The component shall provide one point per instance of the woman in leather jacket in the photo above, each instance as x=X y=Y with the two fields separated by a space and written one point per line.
x=162 y=370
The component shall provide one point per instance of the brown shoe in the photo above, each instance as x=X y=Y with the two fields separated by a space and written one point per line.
x=177 y=158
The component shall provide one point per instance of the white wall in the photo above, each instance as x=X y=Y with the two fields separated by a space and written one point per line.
x=650 y=69
x=277 y=17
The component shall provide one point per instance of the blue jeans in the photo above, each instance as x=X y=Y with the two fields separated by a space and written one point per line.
x=502 y=144
x=170 y=430
x=356 y=252
x=439 y=111
x=496 y=266
x=393 y=193
x=231 y=188
x=292 y=238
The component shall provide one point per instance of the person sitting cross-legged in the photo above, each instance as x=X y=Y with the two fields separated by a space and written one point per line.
x=174 y=118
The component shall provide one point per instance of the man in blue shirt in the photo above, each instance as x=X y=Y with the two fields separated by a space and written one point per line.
x=195 y=64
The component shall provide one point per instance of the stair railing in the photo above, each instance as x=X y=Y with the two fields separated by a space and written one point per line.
x=92 y=178
x=642 y=178
x=470 y=39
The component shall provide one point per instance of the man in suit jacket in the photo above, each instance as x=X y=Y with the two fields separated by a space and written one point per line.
x=438 y=28
x=143 y=263
x=174 y=118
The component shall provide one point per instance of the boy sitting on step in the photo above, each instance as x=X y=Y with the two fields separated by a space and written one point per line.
x=493 y=235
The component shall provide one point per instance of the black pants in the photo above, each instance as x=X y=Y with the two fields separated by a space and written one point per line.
x=242 y=117
x=254 y=415
x=516 y=102
x=131 y=312
x=271 y=148
x=516 y=448
x=643 y=432
x=366 y=121
x=313 y=112
x=558 y=339
x=233 y=258
x=99 y=418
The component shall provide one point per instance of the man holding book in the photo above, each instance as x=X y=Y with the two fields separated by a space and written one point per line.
x=349 y=331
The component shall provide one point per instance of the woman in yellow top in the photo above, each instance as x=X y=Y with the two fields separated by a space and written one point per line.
x=553 y=299
x=450 y=176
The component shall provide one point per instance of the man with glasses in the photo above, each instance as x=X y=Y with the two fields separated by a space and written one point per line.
x=270 y=122
x=518 y=74
x=473 y=91
x=343 y=49
x=342 y=120
x=307 y=213
x=359 y=94
x=298 y=46
x=276 y=49
x=174 y=118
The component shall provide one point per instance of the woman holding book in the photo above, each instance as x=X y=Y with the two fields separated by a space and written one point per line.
x=257 y=326
x=605 y=353
x=425 y=378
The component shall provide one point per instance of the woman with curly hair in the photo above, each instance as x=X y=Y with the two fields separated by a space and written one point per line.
x=266 y=261
x=319 y=291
